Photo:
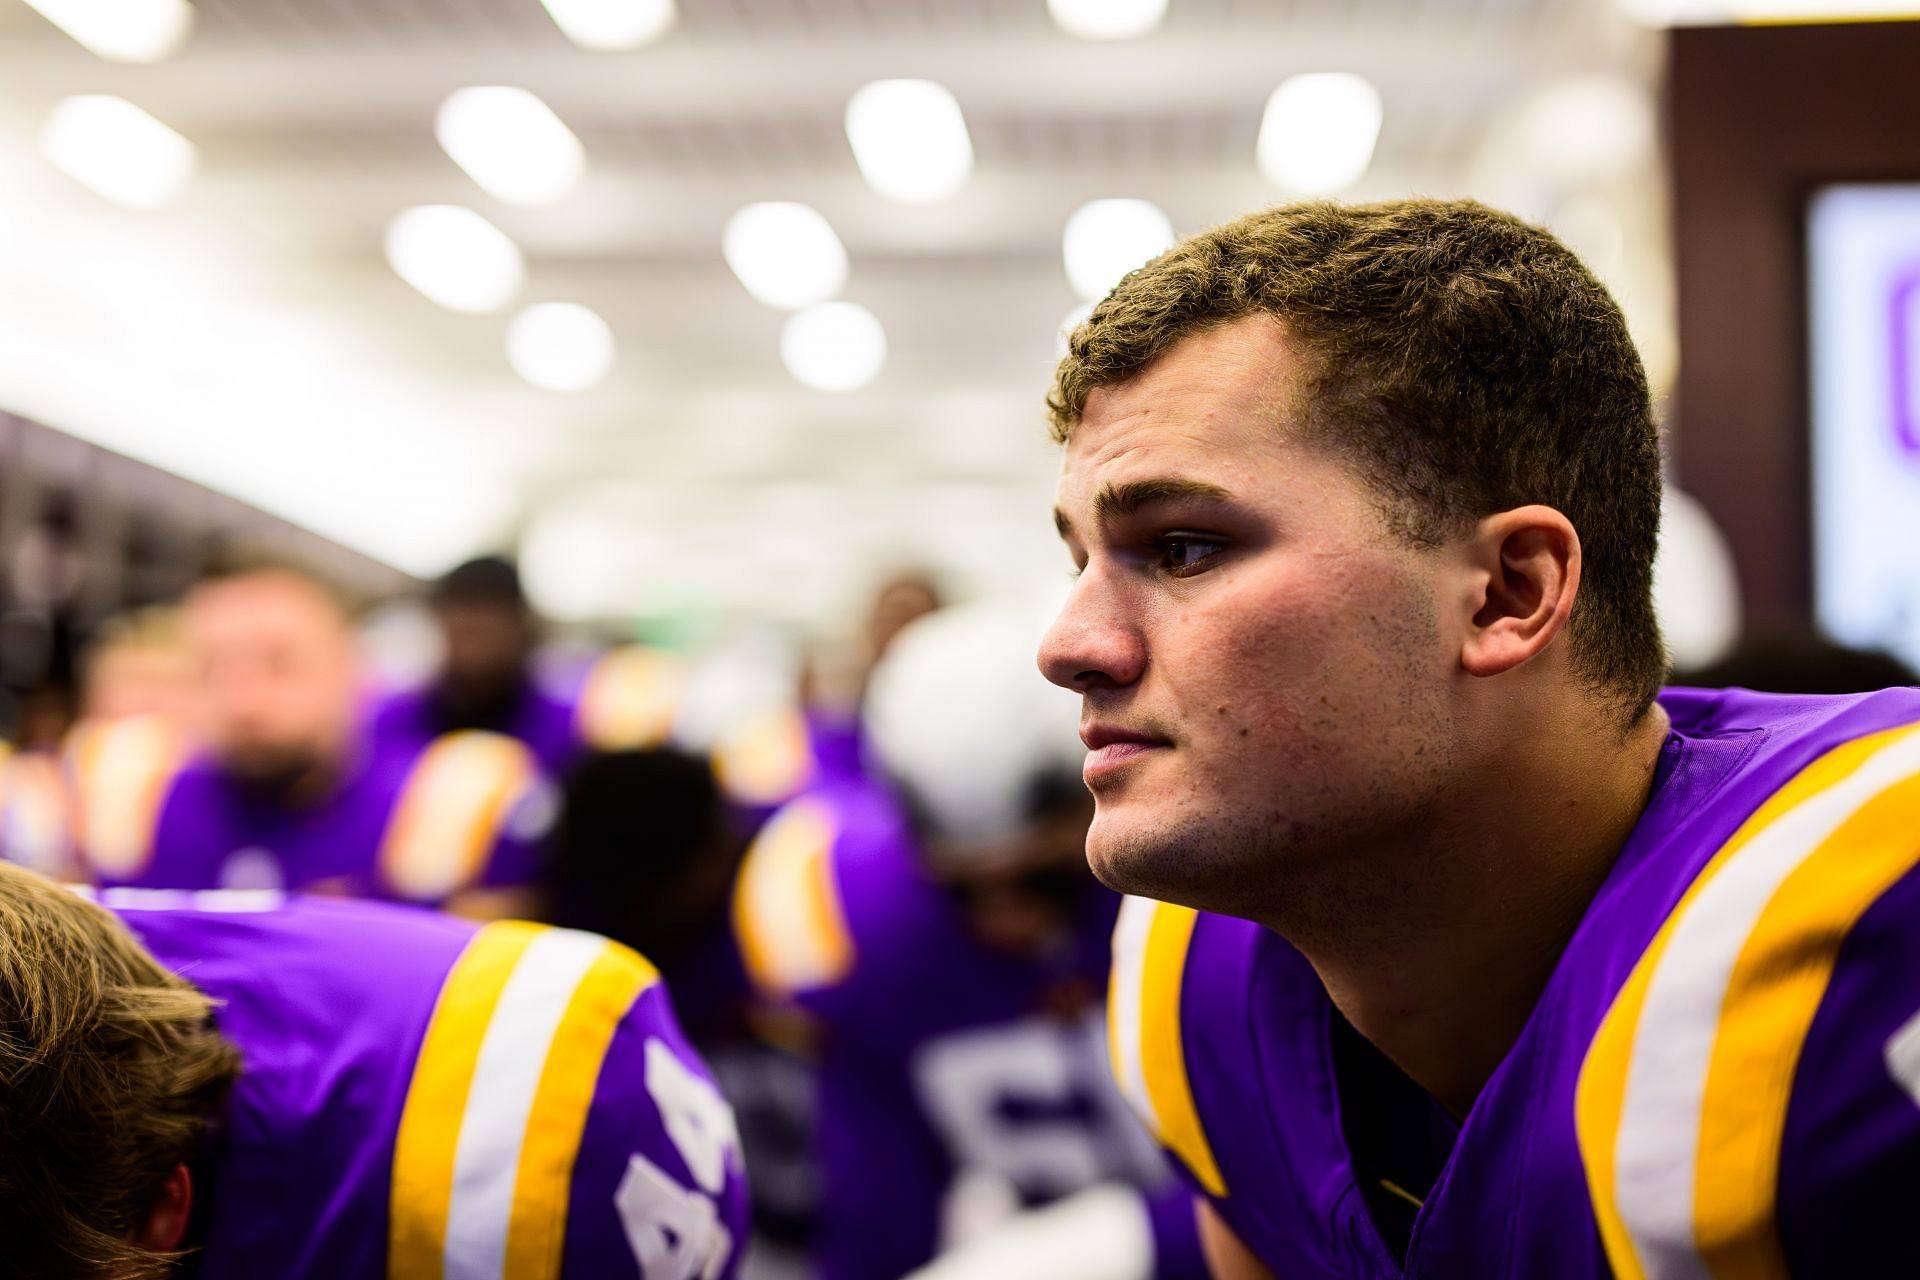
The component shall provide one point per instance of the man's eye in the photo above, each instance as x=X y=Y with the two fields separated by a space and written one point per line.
x=1181 y=554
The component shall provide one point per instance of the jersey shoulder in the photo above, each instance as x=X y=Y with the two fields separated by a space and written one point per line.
x=457 y=802
x=829 y=889
x=533 y=1099
x=630 y=699
x=1174 y=1035
x=1716 y=1039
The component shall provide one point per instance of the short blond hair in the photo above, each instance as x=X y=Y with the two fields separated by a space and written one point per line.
x=111 y=1074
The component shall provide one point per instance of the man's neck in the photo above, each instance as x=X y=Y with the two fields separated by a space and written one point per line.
x=1438 y=951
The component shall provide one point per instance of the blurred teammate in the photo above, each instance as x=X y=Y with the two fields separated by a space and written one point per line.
x=902 y=599
x=1501 y=964
x=135 y=668
x=642 y=853
x=137 y=665
x=488 y=635
x=286 y=791
x=954 y=968
x=626 y=700
x=310 y=1090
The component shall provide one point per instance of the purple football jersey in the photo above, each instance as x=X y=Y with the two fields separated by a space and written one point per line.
x=540 y=718
x=1721 y=1077
x=414 y=825
x=425 y=1097
x=939 y=1055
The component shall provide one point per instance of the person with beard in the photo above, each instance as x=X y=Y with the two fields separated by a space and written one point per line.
x=286 y=791
x=488 y=634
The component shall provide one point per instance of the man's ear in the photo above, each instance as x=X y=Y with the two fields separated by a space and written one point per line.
x=166 y=1222
x=1526 y=571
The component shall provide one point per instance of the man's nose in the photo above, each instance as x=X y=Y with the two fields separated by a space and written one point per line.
x=1094 y=642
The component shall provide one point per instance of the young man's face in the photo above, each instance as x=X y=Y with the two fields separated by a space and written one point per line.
x=1265 y=668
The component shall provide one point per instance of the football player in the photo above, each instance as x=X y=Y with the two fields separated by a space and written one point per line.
x=289 y=792
x=952 y=964
x=1474 y=953
x=308 y=1089
x=488 y=633
x=625 y=699
x=134 y=668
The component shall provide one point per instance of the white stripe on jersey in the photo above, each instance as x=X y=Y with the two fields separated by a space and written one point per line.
x=505 y=1078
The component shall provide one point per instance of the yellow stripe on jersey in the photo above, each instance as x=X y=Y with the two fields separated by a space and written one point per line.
x=451 y=810
x=1682 y=1097
x=630 y=700
x=1777 y=986
x=122 y=771
x=1144 y=1032
x=559 y=1117
x=787 y=912
x=429 y=1133
x=498 y=1104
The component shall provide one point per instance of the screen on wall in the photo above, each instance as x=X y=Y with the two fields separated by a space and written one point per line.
x=1864 y=310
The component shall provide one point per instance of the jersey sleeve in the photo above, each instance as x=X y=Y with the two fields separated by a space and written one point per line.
x=471 y=812
x=1751 y=1104
x=789 y=915
x=557 y=1124
x=630 y=700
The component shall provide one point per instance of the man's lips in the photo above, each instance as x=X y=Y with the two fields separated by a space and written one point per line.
x=1110 y=749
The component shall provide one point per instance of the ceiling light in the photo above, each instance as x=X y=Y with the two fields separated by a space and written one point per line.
x=561 y=346
x=121 y=30
x=455 y=257
x=785 y=254
x=910 y=140
x=1105 y=239
x=611 y=24
x=510 y=143
x=117 y=149
x=1317 y=135
x=1107 y=19
x=836 y=346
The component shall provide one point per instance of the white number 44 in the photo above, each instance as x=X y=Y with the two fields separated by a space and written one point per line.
x=675 y=1231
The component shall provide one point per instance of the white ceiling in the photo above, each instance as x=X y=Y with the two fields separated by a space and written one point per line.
x=253 y=337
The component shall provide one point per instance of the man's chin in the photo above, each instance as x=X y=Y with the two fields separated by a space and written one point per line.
x=1128 y=857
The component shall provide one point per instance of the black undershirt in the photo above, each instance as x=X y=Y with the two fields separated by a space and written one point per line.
x=1397 y=1136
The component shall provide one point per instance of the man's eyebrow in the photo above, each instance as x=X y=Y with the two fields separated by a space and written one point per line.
x=1114 y=501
